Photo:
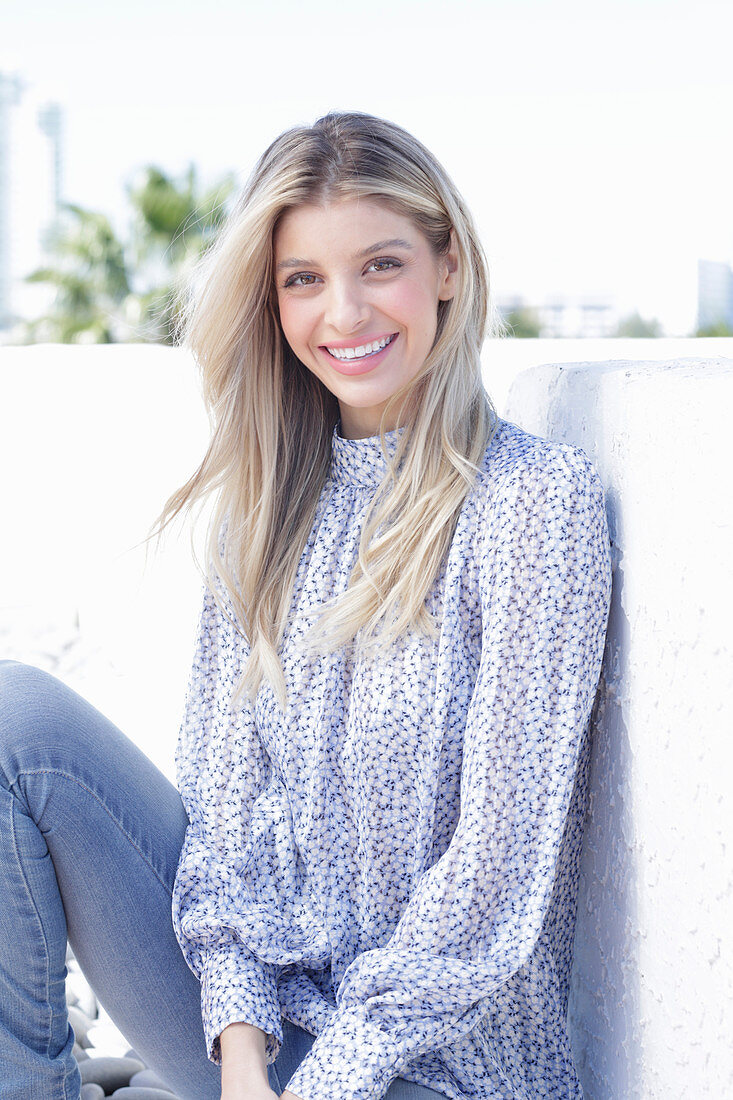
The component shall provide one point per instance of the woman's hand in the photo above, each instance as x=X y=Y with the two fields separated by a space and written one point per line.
x=243 y=1064
x=247 y=1091
x=254 y=1092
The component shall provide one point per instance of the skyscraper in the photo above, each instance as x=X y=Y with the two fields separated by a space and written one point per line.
x=714 y=294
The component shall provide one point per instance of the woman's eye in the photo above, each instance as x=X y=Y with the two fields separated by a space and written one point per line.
x=300 y=279
x=306 y=279
x=384 y=264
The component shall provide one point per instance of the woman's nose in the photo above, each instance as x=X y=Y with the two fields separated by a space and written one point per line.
x=346 y=309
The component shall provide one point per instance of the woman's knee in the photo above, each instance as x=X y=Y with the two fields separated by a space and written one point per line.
x=20 y=679
x=22 y=687
x=37 y=718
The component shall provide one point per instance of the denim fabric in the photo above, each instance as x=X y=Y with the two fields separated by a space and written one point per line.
x=90 y=836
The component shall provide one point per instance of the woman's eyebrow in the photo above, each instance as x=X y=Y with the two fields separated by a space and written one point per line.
x=395 y=242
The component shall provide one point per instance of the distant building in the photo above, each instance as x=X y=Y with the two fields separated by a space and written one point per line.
x=31 y=169
x=10 y=90
x=584 y=316
x=714 y=293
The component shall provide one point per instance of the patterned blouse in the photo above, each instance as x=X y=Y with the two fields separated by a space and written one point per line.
x=392 y=863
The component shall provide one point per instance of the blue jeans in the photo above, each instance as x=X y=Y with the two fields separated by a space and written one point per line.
x=90 y=835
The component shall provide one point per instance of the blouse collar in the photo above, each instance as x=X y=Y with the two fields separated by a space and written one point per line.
x=360 y=461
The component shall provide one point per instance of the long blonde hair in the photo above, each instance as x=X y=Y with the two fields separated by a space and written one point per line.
x=273 y=420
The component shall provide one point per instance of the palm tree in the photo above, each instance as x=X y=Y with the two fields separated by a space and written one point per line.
x=90 y=278
x=172 y=227
x=108 y=291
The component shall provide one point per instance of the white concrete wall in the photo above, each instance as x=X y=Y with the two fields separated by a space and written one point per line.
x=653 y=981
x=92 y=442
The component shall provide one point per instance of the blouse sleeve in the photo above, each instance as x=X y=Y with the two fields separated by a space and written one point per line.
x=476 y=914
x=221 y=769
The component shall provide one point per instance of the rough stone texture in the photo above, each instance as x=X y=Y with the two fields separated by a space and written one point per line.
x=652 y=992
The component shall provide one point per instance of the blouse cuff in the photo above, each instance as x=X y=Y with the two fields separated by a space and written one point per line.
x=238 y=988
x=351 y=1058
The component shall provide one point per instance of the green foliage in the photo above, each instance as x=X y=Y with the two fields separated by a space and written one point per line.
x=720 y=328
x=172 y=226
x=89 y=277
x=113 y=291
x=637 y=326
x=523 y=322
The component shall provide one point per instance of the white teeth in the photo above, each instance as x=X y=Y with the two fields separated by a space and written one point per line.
x=361 y=351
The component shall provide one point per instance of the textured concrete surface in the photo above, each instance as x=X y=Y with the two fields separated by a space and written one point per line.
x=653 y=980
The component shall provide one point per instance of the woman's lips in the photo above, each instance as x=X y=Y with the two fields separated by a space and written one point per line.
x=358 y=366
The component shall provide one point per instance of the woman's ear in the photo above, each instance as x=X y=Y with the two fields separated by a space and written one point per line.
x=449 y=271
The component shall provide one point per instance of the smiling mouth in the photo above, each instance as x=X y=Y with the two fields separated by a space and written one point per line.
x=363 y=351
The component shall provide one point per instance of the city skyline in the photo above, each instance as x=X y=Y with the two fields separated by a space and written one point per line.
x=588 y=145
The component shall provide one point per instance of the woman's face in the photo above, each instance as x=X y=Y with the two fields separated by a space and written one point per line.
x=358 y=288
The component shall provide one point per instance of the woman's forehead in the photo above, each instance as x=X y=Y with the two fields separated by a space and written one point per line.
x=340 y=220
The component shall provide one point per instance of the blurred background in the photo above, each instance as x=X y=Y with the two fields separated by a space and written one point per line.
x=591 y=140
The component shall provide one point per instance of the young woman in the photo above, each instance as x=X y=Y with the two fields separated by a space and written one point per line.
x=383 y=756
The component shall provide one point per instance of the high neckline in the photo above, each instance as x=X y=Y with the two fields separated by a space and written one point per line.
x=360 y=461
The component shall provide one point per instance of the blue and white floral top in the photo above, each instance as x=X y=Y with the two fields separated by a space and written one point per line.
x=392 y=863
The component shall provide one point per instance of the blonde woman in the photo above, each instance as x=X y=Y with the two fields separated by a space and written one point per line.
x=383 y=758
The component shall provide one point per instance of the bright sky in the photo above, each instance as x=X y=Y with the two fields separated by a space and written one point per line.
x=591 y=140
